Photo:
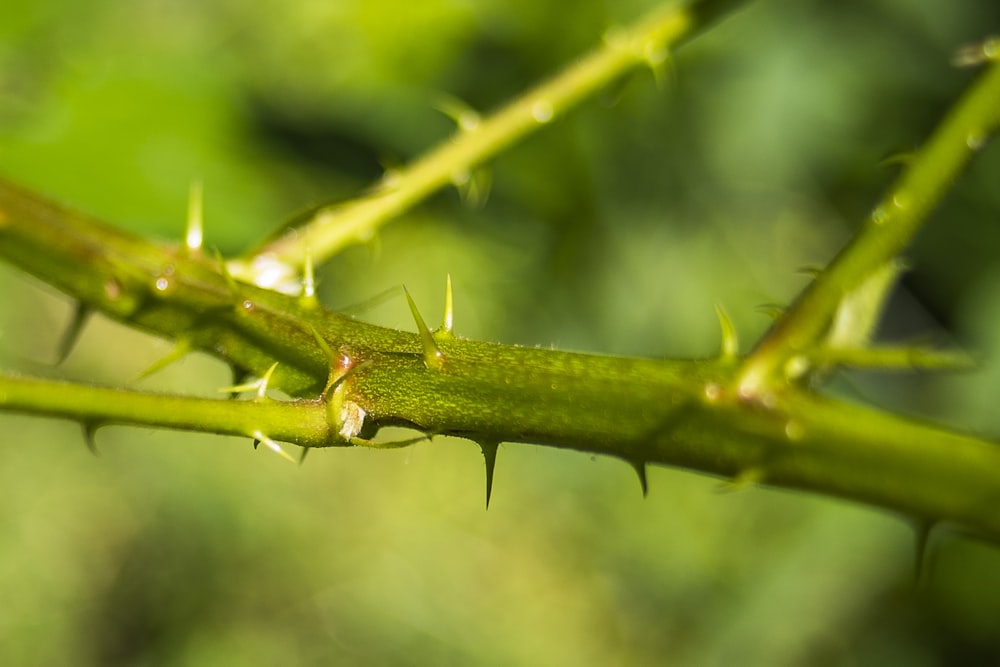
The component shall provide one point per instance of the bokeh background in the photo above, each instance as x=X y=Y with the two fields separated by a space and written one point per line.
x=616 y=230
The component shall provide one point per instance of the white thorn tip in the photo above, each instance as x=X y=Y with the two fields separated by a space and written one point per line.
x=272 y=445
x=195 y=226
x=448 y=321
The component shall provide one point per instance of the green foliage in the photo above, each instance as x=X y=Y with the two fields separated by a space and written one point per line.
x=615 y=230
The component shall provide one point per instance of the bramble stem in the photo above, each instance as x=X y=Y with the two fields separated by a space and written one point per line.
x=645 y=44
x=301 y=422
x=886 y=231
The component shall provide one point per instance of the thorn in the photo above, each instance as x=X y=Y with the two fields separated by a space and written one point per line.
x=661 y=64
x=433 y=358
x=391 y=444
x=977 y=54
x=80 y=316
x=308 y=297
x=303 y=454
x=194 y=236
x=239 y=376
x=90 y=436
x=332 y=378
x=180 y=349
x=489 y=450
x=640 y=469
x=256 y=444
x=811 y=271
x=259 y=437
x=369 y=303
x=730 y=347
x=466 y=118
x=743 y=479
x=473 y=186
x=262 y=389
x=921 y=562
x=259 y=385
x=901 y=158
x=772 y=310
x=448 y=321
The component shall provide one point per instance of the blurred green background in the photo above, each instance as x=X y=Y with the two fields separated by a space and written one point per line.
x=614 y=230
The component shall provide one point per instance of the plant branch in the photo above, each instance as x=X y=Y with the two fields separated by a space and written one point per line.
x=889 y=228
x=645 y=44
x=302 y=422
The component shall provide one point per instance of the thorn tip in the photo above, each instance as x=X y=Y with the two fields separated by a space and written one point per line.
x=194 y=236
x=433 y=358
x=489 y=450
x=640 y=469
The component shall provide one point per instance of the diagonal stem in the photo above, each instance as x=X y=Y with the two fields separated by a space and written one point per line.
x=886 y=231
x=645 y=44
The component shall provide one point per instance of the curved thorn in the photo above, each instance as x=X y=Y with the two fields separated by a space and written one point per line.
x=194 y=235
x=433 y=358
x=180 y=349
x=264 y=380
x=730 y=347
x=259 y=385
x=90 y=436
x=256 y=444
x=303 y=454
x=640 y=469
x=81 y=314
x=489 y=450
x=272 y=445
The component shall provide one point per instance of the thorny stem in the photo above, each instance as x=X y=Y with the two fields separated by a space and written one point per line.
x=889 y=228
x=303 y=422
x=647 y=43
x=688 y=413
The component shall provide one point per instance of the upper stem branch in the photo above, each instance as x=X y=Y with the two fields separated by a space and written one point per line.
x=647 y=43
x=884 y=234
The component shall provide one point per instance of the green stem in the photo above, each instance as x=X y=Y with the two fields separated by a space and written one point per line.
x=885 y=233
x=301 y=422
x=476 y=141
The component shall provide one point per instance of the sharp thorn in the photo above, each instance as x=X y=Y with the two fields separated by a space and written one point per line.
x=730 y=347
x=272 y=445
x=195 y=235
x=433 y=358
x=640 y=469
x=259 y=385
x=180 y=349
x=256 y=444
x=90 y=436
x=448 y=321
x=489 y=450
x=81 y=314
x=303 y=454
